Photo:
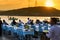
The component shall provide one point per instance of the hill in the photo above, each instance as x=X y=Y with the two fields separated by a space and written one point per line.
x=33 y=11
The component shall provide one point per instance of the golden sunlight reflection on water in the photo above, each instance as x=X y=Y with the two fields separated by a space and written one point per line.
x=24 y=18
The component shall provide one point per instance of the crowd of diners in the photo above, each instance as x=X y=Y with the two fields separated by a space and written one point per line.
x=53 y=34
x=30 y=21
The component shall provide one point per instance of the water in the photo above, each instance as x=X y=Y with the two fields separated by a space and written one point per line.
x=24 y=18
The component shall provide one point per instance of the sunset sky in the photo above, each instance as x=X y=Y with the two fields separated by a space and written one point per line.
x=16 y=4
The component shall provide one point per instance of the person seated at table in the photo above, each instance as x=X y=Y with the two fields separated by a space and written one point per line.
x=45 y=21
x=54 y=32
x=20 y=23
x=29 y=21
x=4 y=22
x=13 y=23
x=38 y=22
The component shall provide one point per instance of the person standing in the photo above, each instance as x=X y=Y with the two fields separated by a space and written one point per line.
x=54 y=32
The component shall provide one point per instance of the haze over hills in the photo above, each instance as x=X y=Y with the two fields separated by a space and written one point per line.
x=32 y=11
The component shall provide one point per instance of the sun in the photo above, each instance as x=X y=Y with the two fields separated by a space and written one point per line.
x=49 y=3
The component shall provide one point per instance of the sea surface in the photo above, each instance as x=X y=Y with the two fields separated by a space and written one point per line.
x=24 y=18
